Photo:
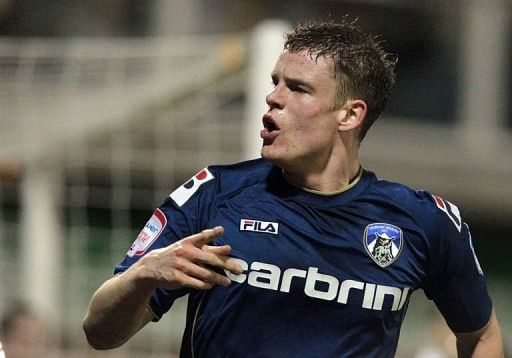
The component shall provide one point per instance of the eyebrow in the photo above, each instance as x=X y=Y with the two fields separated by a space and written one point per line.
x=294 y=81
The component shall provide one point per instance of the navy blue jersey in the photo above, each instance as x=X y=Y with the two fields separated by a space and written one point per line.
x=324 y=275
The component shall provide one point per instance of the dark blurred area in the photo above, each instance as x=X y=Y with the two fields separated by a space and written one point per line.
x=422 y=34
x=54 y=18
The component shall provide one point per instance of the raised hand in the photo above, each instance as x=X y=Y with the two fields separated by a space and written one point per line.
x=190 y=262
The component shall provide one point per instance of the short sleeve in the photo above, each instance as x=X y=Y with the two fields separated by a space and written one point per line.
x=179 y=216
x=456 y=282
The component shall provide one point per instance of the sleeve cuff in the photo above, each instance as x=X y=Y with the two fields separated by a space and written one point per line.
x=155 y=316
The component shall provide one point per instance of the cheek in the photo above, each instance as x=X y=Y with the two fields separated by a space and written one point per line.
x=306 y=136
x=304 y=110
x=309 y=125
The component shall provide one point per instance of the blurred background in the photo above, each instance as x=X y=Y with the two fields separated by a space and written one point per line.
x=107 y=106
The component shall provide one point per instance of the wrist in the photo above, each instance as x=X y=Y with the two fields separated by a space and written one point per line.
x=142 y=275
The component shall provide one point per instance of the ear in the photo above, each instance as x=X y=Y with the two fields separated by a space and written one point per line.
x=352 y=115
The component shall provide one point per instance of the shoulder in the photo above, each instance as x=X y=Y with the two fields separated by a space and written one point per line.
x=430 y=210
x=404 y=196
x=220 y=180
x=242 y=173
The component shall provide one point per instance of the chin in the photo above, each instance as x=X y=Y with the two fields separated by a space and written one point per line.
x=267 y=153
x=270 y=151
x=276 y=160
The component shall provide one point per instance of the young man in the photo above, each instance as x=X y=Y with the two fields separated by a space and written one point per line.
x=302 y=253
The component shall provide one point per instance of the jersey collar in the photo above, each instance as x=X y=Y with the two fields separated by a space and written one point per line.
x=279 y=186
x=339 y=191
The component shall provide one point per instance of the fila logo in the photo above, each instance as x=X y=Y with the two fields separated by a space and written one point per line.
x=259 y=226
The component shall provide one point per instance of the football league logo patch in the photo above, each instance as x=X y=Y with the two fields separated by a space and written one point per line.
x=383 y=243
x=151 y=231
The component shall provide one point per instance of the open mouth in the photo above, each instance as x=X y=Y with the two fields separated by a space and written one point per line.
x=269 y=124
x=270 y=130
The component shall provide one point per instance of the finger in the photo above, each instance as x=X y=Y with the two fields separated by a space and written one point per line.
x=217 y=250
x=204 y=274
x=226 y=263
x=181 y=279
x=229 y=263
x=234 y=267
x=219 y=261
x=204 y=237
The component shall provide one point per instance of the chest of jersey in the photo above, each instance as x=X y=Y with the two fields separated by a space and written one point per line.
x=308 y=270
x=298 y=253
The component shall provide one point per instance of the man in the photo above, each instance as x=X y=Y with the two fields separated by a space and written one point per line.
x=302 y=253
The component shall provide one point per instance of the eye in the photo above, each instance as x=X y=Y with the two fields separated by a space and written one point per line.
x=297 y=88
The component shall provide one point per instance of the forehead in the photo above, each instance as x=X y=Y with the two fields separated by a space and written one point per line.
x=303 y=63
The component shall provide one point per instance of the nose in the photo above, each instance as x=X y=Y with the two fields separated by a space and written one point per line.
x=275 y=98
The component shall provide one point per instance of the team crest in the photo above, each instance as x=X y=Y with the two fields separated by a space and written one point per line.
x=383 y=243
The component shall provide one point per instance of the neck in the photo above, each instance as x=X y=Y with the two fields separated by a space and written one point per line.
x=329 y=179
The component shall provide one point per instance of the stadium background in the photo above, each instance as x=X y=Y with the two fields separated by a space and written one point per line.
x=106 y=106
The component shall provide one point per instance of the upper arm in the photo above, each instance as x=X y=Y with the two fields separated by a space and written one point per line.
x=485 y=342
x=458 y=287
x=179 y=216
x=455 y=282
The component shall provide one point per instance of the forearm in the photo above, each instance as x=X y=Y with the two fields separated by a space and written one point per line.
x=486 y=343
x=117 y=310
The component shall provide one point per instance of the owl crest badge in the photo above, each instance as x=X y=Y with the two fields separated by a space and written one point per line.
x=383 y=243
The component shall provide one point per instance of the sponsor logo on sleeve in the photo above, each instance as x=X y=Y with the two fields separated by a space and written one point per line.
x=181 y=195
x=449 y=209
x=383 y=243
x=151 y=231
